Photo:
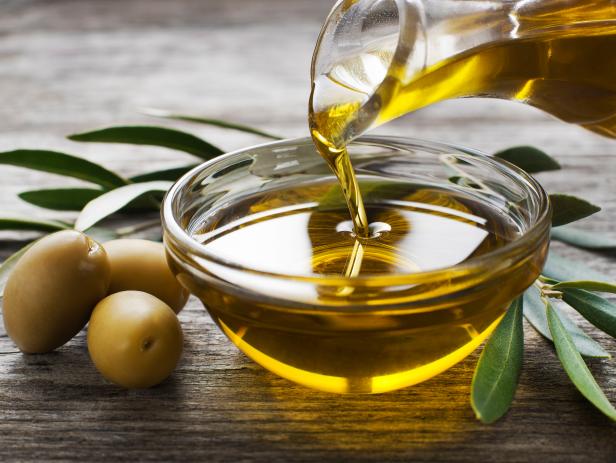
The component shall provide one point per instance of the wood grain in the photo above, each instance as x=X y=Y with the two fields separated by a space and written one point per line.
x=67 y=66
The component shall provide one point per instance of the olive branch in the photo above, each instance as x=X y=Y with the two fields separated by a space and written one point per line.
x=562 y=283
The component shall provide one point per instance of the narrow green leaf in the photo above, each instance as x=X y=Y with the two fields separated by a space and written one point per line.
x=208 y=121
x=61 y=199
x=28 y=223
x=575 y=367
x=567 y=209
x=7 y=266
x=496 y=376
x=534 y=311
x=114 y=200
x=170 y=175
x=583 y=239
x=587 y=285
x=594 y=308
x=152 y=136
x=562 y=269
x=62 y=164
x=529 y=159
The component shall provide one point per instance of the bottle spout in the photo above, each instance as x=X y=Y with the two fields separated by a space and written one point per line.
x=362 y=43
x=369 y=49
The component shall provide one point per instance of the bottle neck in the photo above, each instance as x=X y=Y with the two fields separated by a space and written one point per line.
x=356 y=50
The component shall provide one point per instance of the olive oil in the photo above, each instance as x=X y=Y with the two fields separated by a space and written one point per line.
x=303 y=233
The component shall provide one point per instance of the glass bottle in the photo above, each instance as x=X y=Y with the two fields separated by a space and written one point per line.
x=376 y=60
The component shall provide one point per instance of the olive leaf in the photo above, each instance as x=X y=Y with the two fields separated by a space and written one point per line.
x=7 y=266
x=151 y=136
x=208 y=121
x=583 y=239
x=587 y=285
x=28 y=223
x=567 y=209
x=534 y=312
x=61 y=199
x=496 y=377
x=62 y=164
x=563 y=269
x=114 y=200
x=594 y=308
x=574 y=365
x=529 y=159
x=170 y=175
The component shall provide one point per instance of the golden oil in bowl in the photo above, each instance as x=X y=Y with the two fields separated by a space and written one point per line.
x=263 y=238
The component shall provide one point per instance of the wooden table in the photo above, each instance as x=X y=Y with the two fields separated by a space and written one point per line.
x=68 y=66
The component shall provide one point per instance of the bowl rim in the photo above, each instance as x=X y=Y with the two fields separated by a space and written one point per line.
x=541 y=225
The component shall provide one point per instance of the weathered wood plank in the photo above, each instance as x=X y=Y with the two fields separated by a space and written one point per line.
x=68 y=66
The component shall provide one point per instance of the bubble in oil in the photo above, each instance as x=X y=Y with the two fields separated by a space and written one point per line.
x=376 y=229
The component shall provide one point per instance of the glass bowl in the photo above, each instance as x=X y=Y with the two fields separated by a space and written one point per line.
x=362 y=334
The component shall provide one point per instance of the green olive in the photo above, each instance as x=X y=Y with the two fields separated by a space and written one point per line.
x=134 y=339
x=141 y=265
x=52 y=290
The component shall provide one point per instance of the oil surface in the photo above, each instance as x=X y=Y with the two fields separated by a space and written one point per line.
x=305 y=231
